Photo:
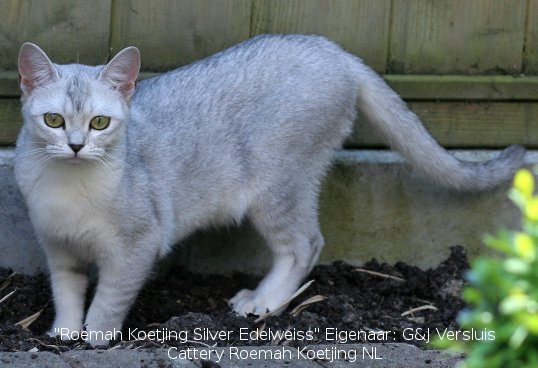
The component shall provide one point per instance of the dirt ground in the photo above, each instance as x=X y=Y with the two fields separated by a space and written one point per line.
x=376 y=297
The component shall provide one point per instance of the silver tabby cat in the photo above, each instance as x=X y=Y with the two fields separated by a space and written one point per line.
x=114 y=174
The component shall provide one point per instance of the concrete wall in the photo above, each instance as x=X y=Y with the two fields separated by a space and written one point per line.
x=18 y=247
x=372 y=205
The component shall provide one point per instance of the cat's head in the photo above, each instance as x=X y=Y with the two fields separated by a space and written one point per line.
x=75 y=112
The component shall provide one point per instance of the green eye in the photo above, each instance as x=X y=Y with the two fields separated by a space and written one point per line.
x=99 y=122
x=54 y=120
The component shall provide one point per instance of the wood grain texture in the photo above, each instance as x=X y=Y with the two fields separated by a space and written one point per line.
x=466 y=125
x=360 y=26
x=530 y=55
x=10 y=120
x=67 y=33
x=9 y=84
x=170 y=33
x=464 y=87
x=457 y=37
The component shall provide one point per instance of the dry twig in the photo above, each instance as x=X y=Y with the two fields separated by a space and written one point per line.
x=301 y=307
x=26 y=322
x=7 y=281
x=285 y=304
x=379 y=274
x=7 y=296
x=419 y=309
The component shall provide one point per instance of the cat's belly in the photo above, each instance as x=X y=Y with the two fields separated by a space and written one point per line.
x=227 y=206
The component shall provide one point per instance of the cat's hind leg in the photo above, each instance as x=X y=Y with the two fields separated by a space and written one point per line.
x=288 y=221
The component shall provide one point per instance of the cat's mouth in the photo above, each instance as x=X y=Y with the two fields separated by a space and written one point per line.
x=78 y=158
x=75 y=160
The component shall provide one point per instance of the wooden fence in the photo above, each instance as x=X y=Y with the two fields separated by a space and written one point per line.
x=467 y=67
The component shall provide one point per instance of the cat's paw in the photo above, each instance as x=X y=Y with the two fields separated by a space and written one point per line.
x=248 y=302
x=100 y=334
x=95 y=338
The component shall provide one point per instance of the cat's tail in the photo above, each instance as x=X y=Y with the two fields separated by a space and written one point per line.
x=405 y=133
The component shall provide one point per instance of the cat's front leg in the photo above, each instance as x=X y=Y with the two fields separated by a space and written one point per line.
x=69 y=281
x=120 y=278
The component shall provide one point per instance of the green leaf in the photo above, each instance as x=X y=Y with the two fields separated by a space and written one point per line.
x=514 y=303
x=517 y=266
x=524 y=183
x=519 y=335
x=525 y=246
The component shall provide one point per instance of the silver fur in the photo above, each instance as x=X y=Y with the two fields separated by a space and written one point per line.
x=247 y=133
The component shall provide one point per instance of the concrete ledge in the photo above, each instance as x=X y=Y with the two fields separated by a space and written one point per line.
x=372 y=206
x=18 y=246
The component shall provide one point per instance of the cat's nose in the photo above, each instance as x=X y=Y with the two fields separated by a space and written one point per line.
x=76 y=147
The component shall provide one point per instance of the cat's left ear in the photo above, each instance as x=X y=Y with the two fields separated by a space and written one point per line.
x=121 y=72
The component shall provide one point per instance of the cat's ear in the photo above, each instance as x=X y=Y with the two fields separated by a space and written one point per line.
x=121 y=72
x=35 y=68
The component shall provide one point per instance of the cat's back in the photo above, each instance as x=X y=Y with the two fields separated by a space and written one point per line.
x=266 y=60
x=250 y=78
x=283 y=94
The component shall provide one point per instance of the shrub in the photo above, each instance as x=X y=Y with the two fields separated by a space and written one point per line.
x=503 y=292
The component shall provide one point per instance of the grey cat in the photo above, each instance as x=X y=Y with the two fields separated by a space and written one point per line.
x=114 y=175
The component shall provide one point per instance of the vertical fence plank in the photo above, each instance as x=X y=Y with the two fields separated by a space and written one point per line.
x=361 y=26
x=530 y=57
x=10 y=120
x=458 y=37
x=171 y=33
x=68 y=32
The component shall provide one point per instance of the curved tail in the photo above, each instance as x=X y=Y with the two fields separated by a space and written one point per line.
x=405 y=133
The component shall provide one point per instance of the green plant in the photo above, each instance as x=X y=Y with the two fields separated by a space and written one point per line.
x=502 y=320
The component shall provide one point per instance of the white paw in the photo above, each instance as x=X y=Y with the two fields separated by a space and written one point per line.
x=96 y=341
x=100 y=334
x=248 y=302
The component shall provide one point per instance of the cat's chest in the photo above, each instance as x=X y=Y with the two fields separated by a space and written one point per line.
x=74 y=208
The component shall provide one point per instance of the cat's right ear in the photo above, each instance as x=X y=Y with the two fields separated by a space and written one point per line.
x=35 y=68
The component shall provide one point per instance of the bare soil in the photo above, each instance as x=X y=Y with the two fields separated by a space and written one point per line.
x=377 y=297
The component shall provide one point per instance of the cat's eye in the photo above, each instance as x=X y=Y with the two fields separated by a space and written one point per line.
x=54 y=120
x=99 y=122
